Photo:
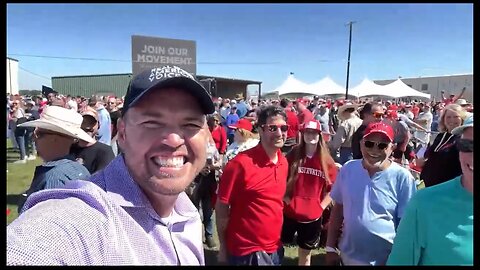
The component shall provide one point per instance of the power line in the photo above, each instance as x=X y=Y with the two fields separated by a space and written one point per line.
x=71 y=58
x=119 y=60
x=26 y=70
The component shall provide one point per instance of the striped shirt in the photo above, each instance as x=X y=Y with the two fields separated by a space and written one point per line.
x=105 y=221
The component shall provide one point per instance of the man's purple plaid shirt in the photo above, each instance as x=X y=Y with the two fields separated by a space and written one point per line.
x=107 y=221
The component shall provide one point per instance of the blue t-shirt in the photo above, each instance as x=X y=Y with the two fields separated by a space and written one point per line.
x=372 y=208
x=242 y=109
x=437 y=228
x=231 y=120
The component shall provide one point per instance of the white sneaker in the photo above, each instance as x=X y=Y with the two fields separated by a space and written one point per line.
x=31 y=157
x=21 y=161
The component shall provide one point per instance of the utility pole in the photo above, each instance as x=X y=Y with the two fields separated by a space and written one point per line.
x=348 y=61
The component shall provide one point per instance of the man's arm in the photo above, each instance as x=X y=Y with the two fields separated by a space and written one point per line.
x=333 y=233
x=222 y=214
x=460 y=95
x=338 y=139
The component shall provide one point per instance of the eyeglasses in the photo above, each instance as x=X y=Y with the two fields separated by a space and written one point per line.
x=111 y=102
x=378 y=115
x=380 y=145
x=274 y=128
x=464 y=145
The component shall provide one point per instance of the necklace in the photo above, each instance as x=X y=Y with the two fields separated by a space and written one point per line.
x=442 y=143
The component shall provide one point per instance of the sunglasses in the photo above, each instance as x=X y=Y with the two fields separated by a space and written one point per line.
x=274 y=128
x=378 y=115
x=380 y=145
x=464 y=145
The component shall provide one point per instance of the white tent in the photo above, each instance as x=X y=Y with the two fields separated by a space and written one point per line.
x=367 y=88
x=399 y=89
x=326 y=86
x=291 y=86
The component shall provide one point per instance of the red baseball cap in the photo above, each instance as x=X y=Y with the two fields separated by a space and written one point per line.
x=379 y=127
x=243 y=124
x=312 y=124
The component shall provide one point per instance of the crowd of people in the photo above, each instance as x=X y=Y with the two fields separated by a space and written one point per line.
x=137 y=180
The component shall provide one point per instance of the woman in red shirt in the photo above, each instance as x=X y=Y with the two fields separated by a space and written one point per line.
x=312 y=172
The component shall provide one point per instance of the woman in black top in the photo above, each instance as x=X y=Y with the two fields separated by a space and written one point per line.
x=442 y=162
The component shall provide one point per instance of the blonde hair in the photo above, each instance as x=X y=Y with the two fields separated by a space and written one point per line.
x=299 y=156
x=247 y=134
x=454 y=108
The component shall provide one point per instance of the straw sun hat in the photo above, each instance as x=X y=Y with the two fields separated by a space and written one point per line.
x=61 y=120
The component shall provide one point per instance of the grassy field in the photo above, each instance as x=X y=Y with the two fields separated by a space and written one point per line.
x=19 y=177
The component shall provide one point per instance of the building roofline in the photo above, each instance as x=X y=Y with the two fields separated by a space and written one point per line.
x=92 y=75
x=421 y=77
x=201 y=77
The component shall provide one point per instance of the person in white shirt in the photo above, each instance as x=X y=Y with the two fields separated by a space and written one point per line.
x=71 y=104
x=424 y=119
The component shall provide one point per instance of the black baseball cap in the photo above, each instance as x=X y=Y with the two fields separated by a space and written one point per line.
x=165 y=77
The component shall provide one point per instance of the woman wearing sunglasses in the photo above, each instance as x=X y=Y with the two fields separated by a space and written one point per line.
x=437 y=228
x=312 y=172
x=442 y=156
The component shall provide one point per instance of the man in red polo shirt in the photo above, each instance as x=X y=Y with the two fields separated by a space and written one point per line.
x=292 y=122
x=250 y=197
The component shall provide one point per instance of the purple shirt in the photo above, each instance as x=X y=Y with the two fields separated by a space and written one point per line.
x=108 y=221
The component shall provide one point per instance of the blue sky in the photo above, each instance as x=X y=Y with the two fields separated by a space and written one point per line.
x=270 y=40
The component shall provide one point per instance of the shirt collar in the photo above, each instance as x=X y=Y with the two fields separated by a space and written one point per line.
x=264 y=159
x=124 y=191
x=58 y=161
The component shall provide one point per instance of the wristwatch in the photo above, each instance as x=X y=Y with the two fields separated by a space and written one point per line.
x=331 y=249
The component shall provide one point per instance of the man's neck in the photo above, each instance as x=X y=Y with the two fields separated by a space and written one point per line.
x=162 y=204
x=372 y=170
x=271 y=153
x=56 y=156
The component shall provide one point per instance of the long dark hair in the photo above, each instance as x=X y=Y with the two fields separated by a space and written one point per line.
x=299 y=157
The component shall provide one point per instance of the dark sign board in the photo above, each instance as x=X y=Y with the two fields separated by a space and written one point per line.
x=151 y=52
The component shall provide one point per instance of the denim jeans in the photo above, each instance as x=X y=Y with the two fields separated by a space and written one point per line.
x=203 y=197
x=29 y=143
x=23 y=147
x=258 y=258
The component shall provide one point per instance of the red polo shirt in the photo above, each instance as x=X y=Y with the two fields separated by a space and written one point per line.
x=292 y=122
x=254 y=188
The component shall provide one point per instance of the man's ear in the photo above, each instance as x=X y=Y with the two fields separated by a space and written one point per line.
x=121 y=131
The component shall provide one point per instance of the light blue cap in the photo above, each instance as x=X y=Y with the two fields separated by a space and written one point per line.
x=467 y=123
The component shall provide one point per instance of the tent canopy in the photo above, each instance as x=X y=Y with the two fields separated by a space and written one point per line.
x=326 y=86
x=292 y=86
x=367 y=88
x=399 y=89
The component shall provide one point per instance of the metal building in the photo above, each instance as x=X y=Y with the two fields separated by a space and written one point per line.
x=451 y=84
x=12 y=76
x=88 y=85
x=117 y=84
